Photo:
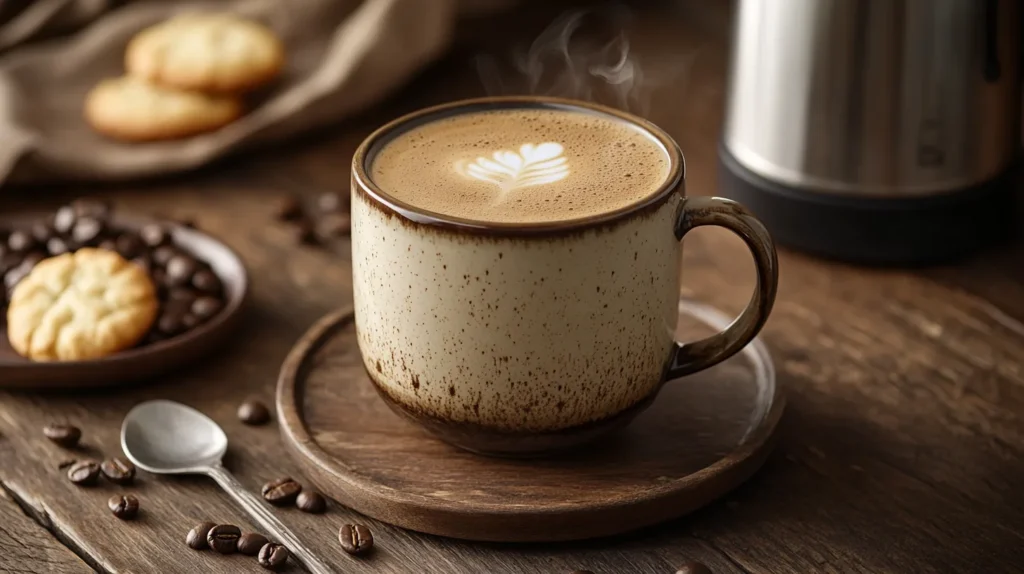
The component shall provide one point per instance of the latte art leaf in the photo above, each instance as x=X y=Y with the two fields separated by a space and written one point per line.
x=533 y=165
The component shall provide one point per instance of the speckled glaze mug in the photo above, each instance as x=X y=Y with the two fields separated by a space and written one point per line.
x=519 y=339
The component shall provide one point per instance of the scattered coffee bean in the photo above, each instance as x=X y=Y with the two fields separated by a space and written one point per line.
x=333 y=225
x=180 y=269
x=189 y=321
x=118 y=470
x=64 y=220
x=355 y=539
x=129 y=245
x=196 y=538
x=253 y=413
x=41 y=232
x=281 y=491
x=330 y=202
x=223 y=538
x=144 y=262
x=206 y=307
x=124 y=506
x=288 y=208
x=154 y=235
x=311 y=501
x=250 y=543
x=272 y=556
x=169 y=324
x=86 y=231
x=84 y=472
x=207 y=282
x=66 y=463
x=163 y=254
x=693 y=568
x=20 y=241
x=66 y=436
x=56 y=246
x=108 y=245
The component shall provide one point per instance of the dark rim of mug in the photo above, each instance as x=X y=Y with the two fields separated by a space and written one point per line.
x=376 y=140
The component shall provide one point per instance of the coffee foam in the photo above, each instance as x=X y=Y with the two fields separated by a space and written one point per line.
x=521 y=165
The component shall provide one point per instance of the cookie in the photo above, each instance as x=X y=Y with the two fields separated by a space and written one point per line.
x=131 y=109
x=207 y=52
x=79 y=306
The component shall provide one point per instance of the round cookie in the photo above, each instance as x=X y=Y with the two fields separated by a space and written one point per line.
x=131 y=109
x=209 y=52
x=80 y=306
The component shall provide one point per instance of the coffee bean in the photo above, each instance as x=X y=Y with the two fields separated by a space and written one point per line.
x=272 y=556
x=223 y=538
x=56 y=246
x=253 y=413
x=129 y=245
x=281 y=491
x=84 y=472
x=329 y=202
x=124 y=506
x=189 y=321
x=163 y=254
x=154 y=235
x=311 y=501
x=288 y=208
x=355 y=539
x=306 y=233
x=87 y=231
x=333 y=225
x=170 y=324
x=180 y=270
x=207 y=282
x=66 y=463
x=693 y=568
x=108 y=245
x=196 y=538
x=20 y=241
x=64 y=220
x=66 y=436
x=250 y=543
x=32 y=259
x=118 y=470
x=205 y=307
x=41 y=232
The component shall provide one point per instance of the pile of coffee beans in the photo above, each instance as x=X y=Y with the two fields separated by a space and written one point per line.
x=286 y=491
x=328 y=219
x=190 y=292
x=229 y=539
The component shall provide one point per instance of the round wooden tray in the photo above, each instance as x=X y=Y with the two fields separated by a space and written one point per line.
x=139 y=363
x=703 y=436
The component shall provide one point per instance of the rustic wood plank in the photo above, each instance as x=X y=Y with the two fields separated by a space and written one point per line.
x=900 y=451
x=27 y=547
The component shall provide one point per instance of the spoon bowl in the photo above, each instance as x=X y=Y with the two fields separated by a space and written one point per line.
x=165 y=437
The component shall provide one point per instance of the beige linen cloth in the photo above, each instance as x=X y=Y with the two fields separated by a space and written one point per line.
x=343 y=55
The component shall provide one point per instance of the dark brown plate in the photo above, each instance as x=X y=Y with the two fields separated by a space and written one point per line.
x=140 y=363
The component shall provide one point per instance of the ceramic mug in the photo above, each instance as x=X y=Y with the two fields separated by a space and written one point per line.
x=516 y=339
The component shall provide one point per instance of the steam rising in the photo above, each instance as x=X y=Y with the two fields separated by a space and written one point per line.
x=583 y=55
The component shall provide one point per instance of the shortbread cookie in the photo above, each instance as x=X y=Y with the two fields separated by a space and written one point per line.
x=207 y=52
x=131 y=109
x=80 y=306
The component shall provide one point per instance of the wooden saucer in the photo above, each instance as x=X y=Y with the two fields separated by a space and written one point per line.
x=140 y=363
x=703 y=436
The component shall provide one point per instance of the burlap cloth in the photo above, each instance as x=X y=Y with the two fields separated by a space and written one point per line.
x=343 y=55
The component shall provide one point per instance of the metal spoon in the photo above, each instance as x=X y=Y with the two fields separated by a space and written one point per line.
x=165 y=437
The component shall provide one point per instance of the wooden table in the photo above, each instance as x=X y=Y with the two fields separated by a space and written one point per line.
x=901 y=449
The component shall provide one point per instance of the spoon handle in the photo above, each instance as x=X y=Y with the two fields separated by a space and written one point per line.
x=275 y=530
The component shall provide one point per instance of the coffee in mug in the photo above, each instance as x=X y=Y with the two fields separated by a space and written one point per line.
x=516 y=270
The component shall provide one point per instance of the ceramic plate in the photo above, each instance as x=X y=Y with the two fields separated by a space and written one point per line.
x=141 y=363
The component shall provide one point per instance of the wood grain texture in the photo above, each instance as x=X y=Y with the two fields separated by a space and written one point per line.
x=28 y=548
x=702 y=436
x=901 y=450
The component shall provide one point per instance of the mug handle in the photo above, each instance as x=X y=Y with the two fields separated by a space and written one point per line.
x=688 y=358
